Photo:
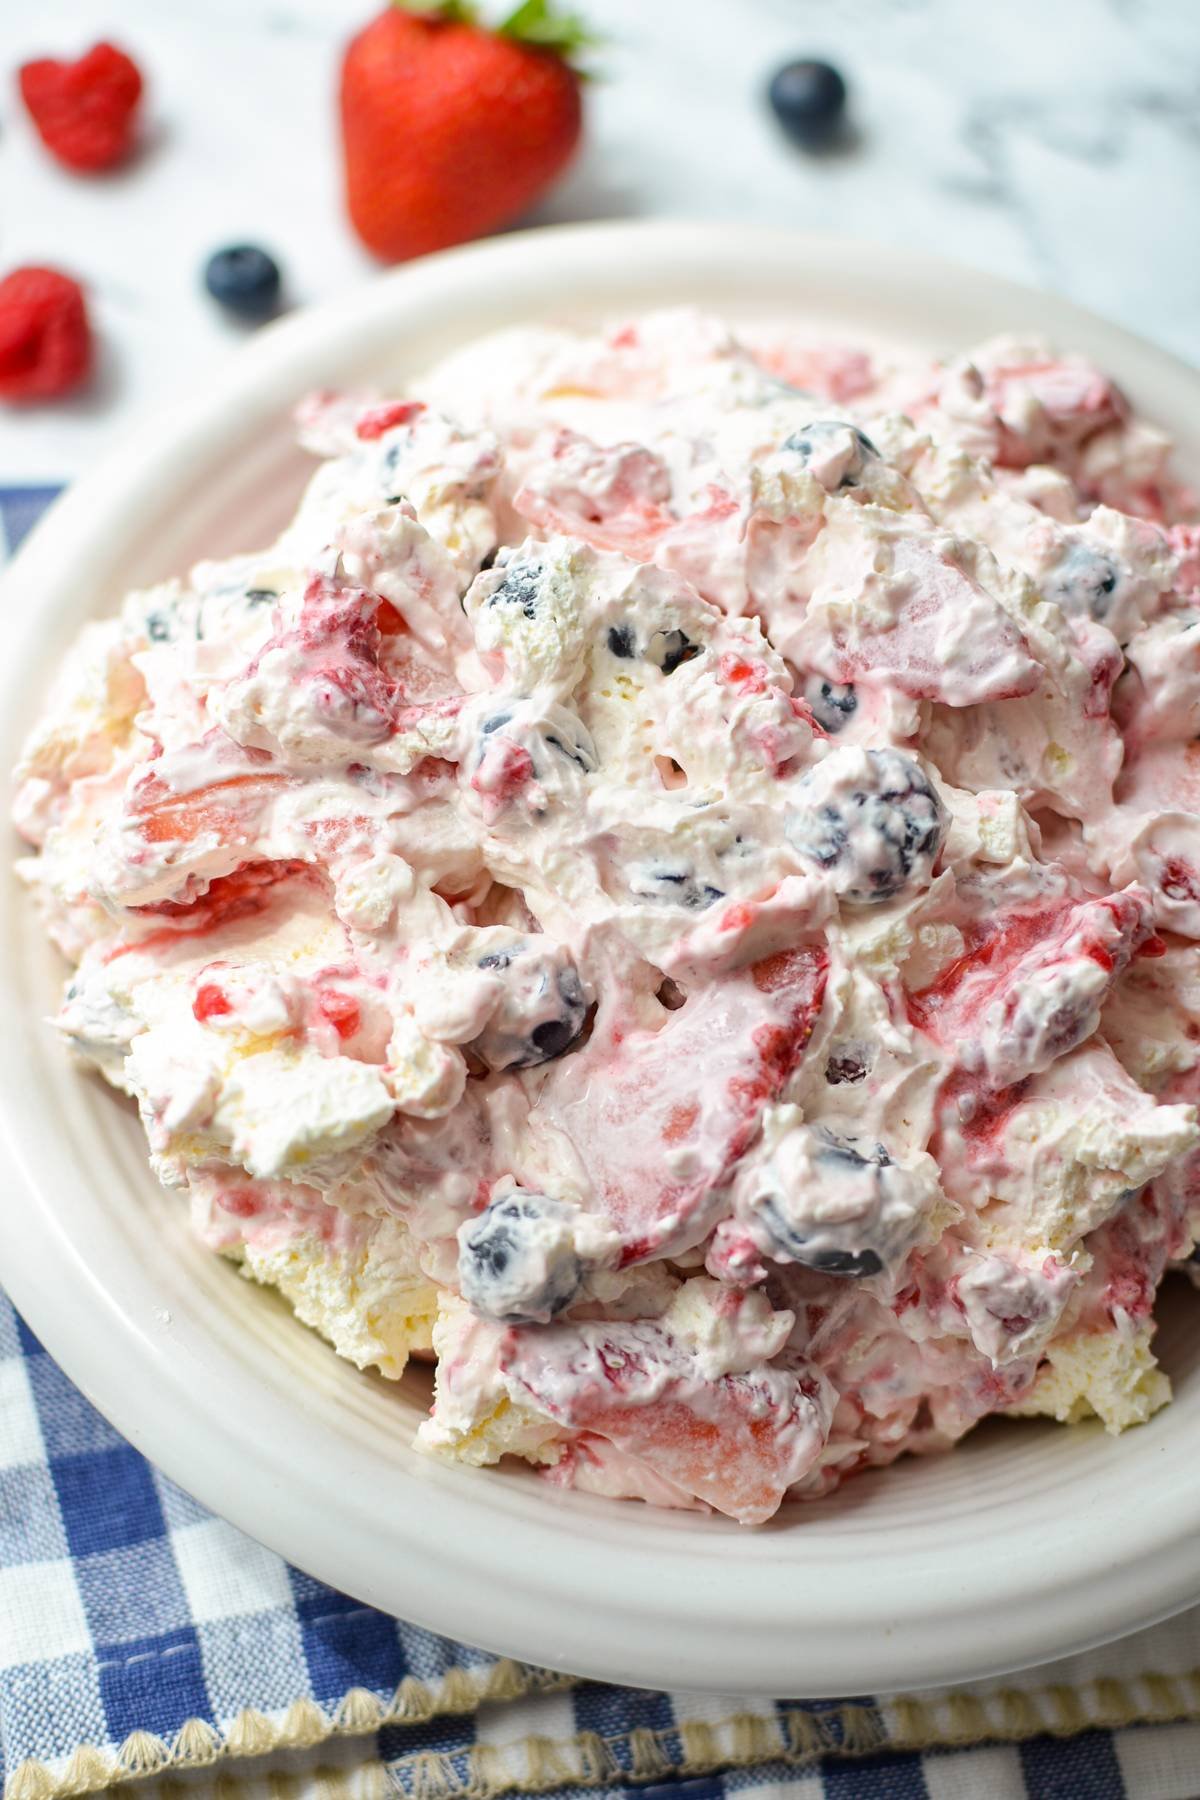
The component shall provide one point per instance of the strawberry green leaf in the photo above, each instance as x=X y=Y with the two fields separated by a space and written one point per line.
x=538 y=22
x=448 y=12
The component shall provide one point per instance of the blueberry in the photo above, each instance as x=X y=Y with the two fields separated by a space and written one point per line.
x=837 y=1151
x=836 y=452
x=576 y=751
x=552 y=1037
x=814 y=1250
x=808 y=440
x=826 y=837
x=847 y=1063
x=520 y=586
x=174 y=620
x=368 y=780
x=542 y=1011
x=495 y=959
x=245 y=280
x=1083 y=582
x=831 y=702
x=667 y=649
x=536 y=729
x=855 y=1263
x=260 y=596
x=679 y=887
x=821 y=1238
x=517 y=1262
x=808 y=99
x=873 y=822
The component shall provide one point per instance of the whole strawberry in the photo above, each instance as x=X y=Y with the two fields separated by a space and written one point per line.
x=449 y=129
x=84 y=111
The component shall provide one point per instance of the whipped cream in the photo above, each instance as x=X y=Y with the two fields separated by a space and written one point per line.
x=672 y=890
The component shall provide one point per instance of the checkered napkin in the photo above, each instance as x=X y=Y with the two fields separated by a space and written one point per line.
x=140 y=1637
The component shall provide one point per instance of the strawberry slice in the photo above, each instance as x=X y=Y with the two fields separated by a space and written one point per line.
x=331 y=661
x=943 y=636
x=245 y=894
x=832 y=370
x=1043 y=406
x=1031 y=985
x=337 y=643
x=212 y=796
x=660 y=1118
x=738 y=1442
x=613 y=498
x=225 y=810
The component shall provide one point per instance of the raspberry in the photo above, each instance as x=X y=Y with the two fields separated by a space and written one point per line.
x=341 y=1011
x=211 y=1002
x=378 y=419
x=84 y=111
x=45 y=339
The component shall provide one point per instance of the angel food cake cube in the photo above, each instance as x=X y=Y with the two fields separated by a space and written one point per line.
x=672 y=893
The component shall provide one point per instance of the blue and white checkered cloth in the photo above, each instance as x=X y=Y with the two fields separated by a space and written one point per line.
x=141 y=1636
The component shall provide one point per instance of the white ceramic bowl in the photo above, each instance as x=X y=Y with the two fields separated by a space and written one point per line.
x=1029 y=1541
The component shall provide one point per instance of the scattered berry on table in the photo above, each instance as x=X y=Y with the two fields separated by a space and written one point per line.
x=809 y=99
x=45 y=338
x=85 y=112
x=450 y=129
x=244 y=279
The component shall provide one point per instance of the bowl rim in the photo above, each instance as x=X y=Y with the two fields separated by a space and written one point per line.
x=779 y=1623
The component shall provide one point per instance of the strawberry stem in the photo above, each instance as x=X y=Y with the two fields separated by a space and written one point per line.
x=446 y=12
x=534 y=22
x=538 y=22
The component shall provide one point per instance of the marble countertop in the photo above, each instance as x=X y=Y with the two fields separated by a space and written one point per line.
x=1054 y=141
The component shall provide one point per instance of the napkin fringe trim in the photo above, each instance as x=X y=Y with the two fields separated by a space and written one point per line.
x=791 y=1736
x=305 y=1724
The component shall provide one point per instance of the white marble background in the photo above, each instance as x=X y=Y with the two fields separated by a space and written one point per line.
x=1056 y=141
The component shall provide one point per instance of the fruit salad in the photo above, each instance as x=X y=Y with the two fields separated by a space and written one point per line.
x=671 y=891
